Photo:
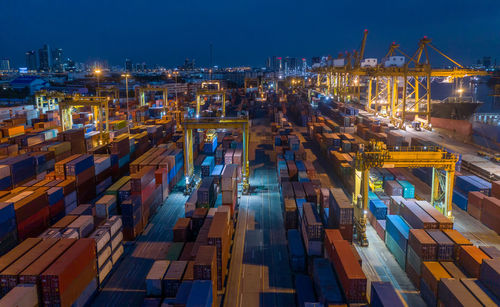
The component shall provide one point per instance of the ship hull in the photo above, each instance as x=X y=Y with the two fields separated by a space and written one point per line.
x=454 y=110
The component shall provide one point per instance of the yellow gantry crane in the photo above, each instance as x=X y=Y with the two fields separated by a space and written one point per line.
x=108 y=91
x=377 y=154
x=399 y=87
x=210 y=93
x=189 y=124
x=48 y=100
x=99 y=106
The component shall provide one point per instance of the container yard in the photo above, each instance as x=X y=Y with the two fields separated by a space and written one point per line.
x=340 y=183
x=245 y=217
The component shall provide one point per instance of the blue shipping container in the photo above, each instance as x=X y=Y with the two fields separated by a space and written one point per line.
x=201 y=294
x=378 y=208
x=384 y=295
x=304 y=290
x=326 y=283
x=296 y=250
x=399 y=230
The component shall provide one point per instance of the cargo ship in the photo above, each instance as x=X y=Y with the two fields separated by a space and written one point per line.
x=458 y=108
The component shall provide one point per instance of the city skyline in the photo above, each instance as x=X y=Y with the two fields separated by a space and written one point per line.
x=244 y=34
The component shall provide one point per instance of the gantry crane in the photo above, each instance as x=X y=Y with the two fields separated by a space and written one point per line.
x=142 y=90
x=402 y=92
x=108 y=91
x=48 y=100
x=379 y=155
x=210 y=93
x=208 y=85
x=99 y=106
x=215 y=123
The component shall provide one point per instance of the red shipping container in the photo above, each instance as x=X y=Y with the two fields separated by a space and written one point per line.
x=495 y=189
x=34 y=225
x=57 y=208
x=491 y=213
x=471 y=258
x=182 y=229
x=61 y=275
x=423 y=245
x=475 y=204
x=351 y=276
x=346 y=231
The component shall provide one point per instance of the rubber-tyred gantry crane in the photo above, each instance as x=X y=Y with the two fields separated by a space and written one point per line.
x=379 y=155
x=214 y=123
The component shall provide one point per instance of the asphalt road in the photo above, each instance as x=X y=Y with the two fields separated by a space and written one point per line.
x=259 y=273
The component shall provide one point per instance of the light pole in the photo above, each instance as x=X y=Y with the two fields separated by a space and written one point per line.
x=126 y=76
x=97 y=72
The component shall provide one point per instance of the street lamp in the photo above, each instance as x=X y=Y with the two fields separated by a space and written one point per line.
x=126 y=76
x=97 y=72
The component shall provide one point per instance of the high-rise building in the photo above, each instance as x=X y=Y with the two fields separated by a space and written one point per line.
x=57 y=59
x=316 y=60
x=4 y=65
x=128 y=65
x=45 y=58
x=31 y=60
x=274 y=63
x=487 y=61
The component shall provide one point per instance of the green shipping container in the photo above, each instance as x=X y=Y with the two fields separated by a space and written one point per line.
x=174 y=251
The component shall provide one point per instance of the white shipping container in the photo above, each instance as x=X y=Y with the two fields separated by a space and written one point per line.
x=102 y=257
x=116 y=241
x=104 y=271
x=70 y=233
x=117 y=254
x=101 y=237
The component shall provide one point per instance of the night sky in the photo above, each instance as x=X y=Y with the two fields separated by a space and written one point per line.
x=165 y=32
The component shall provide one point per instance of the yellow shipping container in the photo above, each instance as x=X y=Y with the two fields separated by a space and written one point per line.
x=13 y=131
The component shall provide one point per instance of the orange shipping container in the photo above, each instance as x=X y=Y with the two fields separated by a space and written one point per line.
x=471 y=258
x=432 y=272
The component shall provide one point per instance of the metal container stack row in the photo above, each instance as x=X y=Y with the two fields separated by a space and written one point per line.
x=65 y=265
x=199 y=255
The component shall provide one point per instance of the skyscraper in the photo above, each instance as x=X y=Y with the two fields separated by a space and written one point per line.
x=128 y=65
x=57 y=59
x=4 y=65
x=45 y=58
x=31 y=60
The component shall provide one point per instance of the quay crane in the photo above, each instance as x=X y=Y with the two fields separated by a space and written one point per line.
x=401 y=91
x=377 y=154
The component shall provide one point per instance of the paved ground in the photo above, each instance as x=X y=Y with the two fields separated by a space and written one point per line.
x=126 y=285
x=260 y=274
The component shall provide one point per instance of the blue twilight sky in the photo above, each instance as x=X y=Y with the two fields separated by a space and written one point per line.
x=242 y=32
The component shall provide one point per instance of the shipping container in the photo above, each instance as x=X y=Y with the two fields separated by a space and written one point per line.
x=471 y=258
x=458 y=240
x=453 y=293
x=154 y=279
x=383 y=294
x=173 y=278
x=296 y=251
x=304 y=291
x=351 y=276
